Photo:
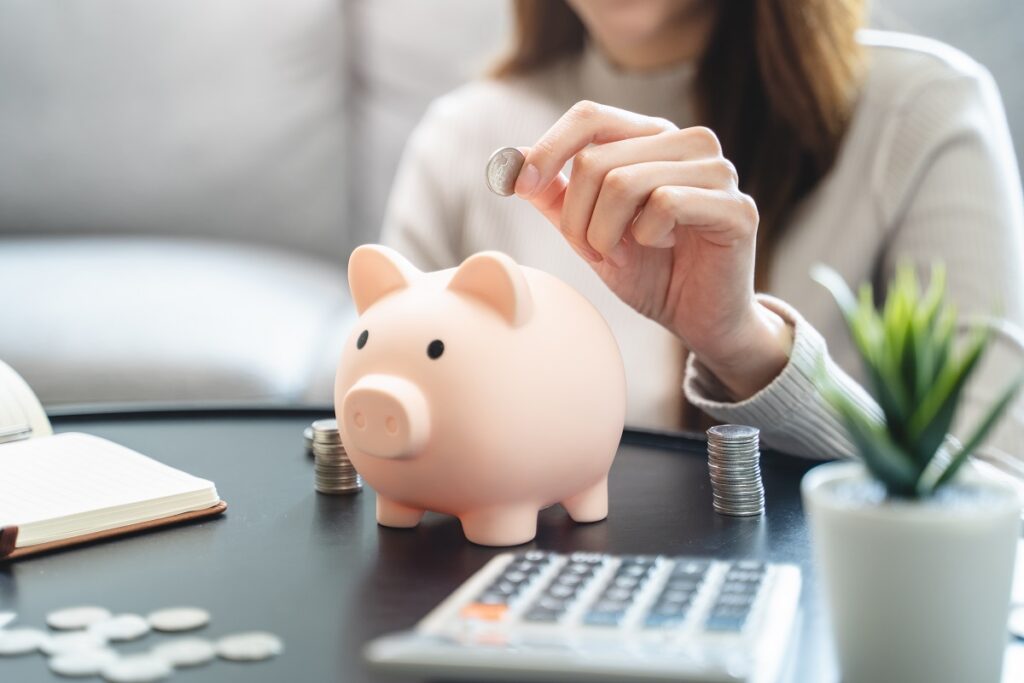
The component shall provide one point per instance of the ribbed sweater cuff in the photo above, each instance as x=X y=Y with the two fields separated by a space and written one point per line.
x=790 y=412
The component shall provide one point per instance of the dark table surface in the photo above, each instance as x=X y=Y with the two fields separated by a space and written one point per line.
x=320 y=573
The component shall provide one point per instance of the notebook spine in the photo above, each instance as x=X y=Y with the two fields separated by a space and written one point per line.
x=8 y=540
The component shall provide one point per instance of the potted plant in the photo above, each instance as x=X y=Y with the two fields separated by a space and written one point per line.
x=914 y=550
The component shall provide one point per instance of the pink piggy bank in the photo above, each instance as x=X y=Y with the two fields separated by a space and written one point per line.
x=487 y=392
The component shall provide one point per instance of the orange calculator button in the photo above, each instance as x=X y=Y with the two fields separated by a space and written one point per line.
x=478 y=610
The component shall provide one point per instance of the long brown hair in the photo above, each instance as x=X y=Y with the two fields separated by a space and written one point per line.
x=776 y=83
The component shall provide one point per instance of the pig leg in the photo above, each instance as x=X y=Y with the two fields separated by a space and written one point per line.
x=512 y=525
x=590 y=504
x=390 y=513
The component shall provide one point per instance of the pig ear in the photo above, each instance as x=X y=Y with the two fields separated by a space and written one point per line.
x=496 y=280
x=374 y=272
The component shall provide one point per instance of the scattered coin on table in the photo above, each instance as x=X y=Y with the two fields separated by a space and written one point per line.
x=122 y=627
x=503 y=169
x=179 y=619
x=21 y=641
x=72 y=641
x=82 y=662
x=74 y=618
x=185 y=652
x=90 y=650
x=249 y=647
x=137 y=669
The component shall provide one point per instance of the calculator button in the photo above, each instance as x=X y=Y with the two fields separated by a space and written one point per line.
x=536 y=556
x=489 y=598
x=570 y=579
x=692 y=568
x=484 y=612
x=663 y=620
x=616 y=593
x=735 y=600
x=603 y=618
x=720 y=622
x=636 y=570
x=560 y=590
x=750 y=565
x=685 y=585
x=541 y=615
x=626 y=581
x=738 y=587
x=675 y=596
x=742 y=575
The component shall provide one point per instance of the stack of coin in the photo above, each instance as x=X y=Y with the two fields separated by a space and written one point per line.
x=734 y=461
x=334 y=471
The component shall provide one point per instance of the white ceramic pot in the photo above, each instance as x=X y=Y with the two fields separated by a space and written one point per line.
x=916 y=590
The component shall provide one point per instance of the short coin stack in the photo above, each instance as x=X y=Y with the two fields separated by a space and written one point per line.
x=334 y=471
x=734 y=462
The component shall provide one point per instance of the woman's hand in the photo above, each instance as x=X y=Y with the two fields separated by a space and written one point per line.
x=658 y=213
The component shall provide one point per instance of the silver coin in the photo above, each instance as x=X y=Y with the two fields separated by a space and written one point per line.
x=184 y=652
x=121 y=627
x=307 y=437
x=253 y=646
x=1017 y=622
x=503 y=169
x=82 y=663
x=179 y=619
x=21 y=641
x=731 y=432
x=137 y=669
x=74 y=618
x=7 y=617
x=72 y=641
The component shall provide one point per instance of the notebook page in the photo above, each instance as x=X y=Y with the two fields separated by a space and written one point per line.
x=18 y=405
x=72 y=474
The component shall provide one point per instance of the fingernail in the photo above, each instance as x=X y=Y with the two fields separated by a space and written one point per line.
x=591 y=254
x=526 y=184
x=617 y=255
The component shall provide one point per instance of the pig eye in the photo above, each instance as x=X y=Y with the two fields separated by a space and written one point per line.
x=435 y=349
x=361 y=342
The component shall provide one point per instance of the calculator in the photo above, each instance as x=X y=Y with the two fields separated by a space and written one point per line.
x=588 y=616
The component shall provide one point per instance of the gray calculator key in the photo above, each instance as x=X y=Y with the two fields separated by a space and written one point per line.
x=603 y=618
x=735 y=600
x=694 y=568
x=616 y=593
x=626 y=581
x=682 y=584
x=570 y=579
x=725 y=623
x=744 y=576
x=541 y=615
x=560 y=590
x=663 y=620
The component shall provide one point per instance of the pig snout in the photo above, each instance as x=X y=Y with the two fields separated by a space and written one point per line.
x=386 y=416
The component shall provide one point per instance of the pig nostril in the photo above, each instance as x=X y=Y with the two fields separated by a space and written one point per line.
x=360 y=420
x=391 y=424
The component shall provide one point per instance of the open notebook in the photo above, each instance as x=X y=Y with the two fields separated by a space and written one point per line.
x=65 y=489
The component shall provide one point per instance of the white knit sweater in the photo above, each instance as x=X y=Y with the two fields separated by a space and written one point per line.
x=926 y=172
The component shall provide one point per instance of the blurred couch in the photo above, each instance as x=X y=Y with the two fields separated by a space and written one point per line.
x=181 y=182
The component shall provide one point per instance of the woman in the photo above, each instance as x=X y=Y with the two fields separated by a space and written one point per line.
x=716 y=147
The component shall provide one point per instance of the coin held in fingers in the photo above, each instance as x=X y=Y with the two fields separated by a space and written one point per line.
x=503 y=169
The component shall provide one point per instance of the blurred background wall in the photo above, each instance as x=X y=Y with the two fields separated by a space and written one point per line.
x=181 y=182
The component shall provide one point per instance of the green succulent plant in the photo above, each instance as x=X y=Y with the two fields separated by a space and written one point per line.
x=917 y=374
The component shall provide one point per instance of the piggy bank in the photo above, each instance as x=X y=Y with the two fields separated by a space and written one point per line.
x=487 y=392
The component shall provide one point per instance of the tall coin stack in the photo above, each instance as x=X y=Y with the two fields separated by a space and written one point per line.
x=334 y=471
x=734 y=461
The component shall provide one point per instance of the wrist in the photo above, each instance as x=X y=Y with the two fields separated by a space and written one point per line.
x=757 y=352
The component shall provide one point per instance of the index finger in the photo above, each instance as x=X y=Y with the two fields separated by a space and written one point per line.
x=585 y=123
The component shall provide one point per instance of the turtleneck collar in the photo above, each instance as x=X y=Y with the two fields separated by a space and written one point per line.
x=664 y=92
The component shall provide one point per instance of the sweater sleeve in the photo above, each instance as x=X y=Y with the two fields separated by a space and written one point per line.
x=791 y=411
x=947 y=189
x=421 y=220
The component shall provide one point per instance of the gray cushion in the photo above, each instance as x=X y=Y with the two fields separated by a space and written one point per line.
x=148 y=319
x=191 y=117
